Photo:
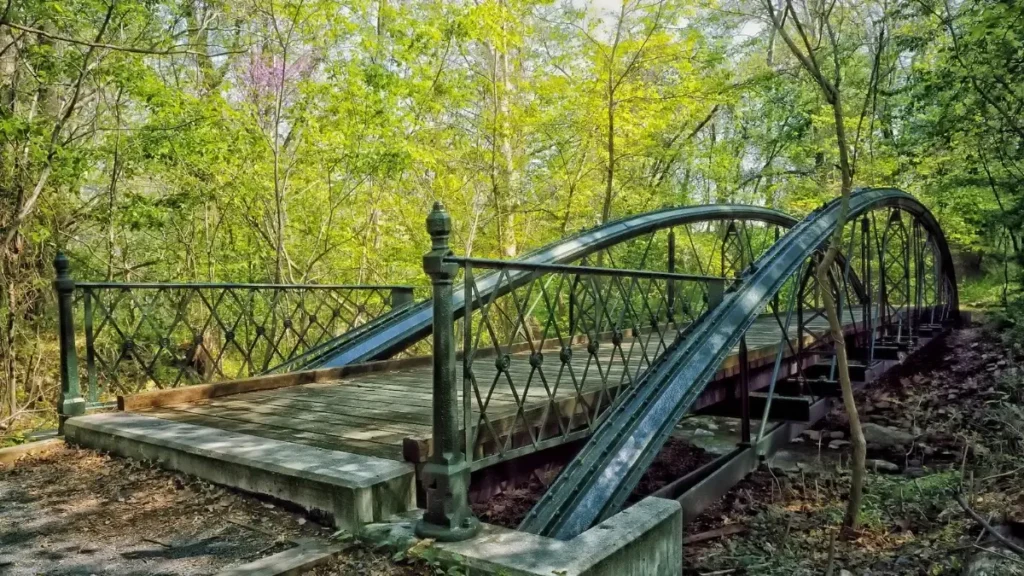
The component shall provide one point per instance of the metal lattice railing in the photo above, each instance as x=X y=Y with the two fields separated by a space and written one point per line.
x=135 y=337
x=543 y=361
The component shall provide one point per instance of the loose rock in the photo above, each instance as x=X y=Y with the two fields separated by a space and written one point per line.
x=878 y=436
x=881 y=466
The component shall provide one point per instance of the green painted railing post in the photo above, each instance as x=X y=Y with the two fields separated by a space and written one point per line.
x=71 y=402
x=671 y=291
x=716 y=291
x=445 y=476
x=401 y=297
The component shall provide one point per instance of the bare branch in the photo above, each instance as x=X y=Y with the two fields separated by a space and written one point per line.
x=115 y=47
x=988 y=527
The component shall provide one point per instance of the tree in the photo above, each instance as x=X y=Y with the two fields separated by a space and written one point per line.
x=813 y=33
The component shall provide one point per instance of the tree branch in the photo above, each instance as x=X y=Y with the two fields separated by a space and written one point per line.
x=988 y=527
x=116 y=47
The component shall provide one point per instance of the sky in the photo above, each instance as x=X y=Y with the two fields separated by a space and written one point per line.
x=608 y=8
x=601 y=5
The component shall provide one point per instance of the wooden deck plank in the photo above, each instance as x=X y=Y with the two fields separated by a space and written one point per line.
x=328 y=413
x=341 y=421
x=343 y=391
x=366 y=409
x=374 y=412
x=323 y=429
x=287 y=435
x=383 y=416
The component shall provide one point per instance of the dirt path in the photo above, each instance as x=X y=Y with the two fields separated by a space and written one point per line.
x=78 y=512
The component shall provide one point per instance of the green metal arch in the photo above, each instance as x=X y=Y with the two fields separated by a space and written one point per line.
x=598 y=481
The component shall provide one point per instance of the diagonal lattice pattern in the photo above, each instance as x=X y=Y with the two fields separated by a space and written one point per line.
x=142 y=336
x=544 y=361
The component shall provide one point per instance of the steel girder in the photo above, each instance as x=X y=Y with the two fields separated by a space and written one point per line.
x=599 y=480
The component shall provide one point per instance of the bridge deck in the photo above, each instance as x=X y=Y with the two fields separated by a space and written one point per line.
x=375 y=413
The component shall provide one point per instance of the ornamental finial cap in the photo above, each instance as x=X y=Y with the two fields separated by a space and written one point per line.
x=439 y=223
x=61 y=263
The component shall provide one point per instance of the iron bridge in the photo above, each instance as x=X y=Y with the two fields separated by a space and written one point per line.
x=597 y=345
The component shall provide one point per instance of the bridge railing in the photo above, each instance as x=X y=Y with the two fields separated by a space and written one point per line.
x=124 y=338
x=537 y=362
x=542 y=362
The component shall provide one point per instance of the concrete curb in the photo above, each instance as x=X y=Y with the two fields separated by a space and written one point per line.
x=643 y=540
x=351 y=489
x=12 y=454
x=291 y=562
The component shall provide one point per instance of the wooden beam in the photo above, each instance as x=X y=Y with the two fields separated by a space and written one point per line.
x=788 y=408
x=818 y=388
x=858 y=371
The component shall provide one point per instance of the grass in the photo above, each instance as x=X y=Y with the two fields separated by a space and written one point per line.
x=989 y=290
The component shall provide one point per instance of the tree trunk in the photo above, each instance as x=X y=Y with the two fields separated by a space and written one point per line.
x=858 y=469
x=509 y=177
x=10 y=399
x=833 y=96
x=609 y=182
x=504 y=177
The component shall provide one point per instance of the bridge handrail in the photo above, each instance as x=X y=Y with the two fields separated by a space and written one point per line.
x=629 y=309
x=557 y=328
x=133 y=336
x=494 y=264
x=394 y=333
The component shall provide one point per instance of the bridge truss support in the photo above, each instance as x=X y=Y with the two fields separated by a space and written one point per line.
x=547 y=347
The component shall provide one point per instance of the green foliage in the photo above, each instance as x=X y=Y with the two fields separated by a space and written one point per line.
x=426 y=553
x=1010 y=324
x=273 y=140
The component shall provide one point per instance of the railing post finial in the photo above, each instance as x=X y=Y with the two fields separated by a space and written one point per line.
x=445 y=476
x=71 y=402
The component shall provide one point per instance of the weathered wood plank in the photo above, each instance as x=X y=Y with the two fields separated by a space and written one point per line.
x=157 y=398
x=369 y=437
x=376 y=410
x=287 y=435
x=357 y=398
x=343 y=419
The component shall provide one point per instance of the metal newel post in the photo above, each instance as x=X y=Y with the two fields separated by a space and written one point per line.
x=71 y=402
x=448 y=517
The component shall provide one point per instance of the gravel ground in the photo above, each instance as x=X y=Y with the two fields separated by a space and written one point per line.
x=363 y=562
x=73 y=511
